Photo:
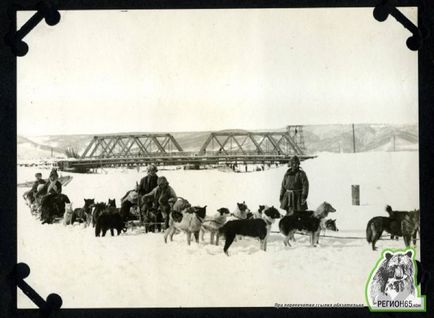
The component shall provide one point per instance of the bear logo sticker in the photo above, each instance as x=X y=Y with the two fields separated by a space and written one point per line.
x=392 y=283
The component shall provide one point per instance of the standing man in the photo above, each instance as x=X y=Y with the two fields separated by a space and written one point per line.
x=149 y=182
x=295 y=188
x=146 y=185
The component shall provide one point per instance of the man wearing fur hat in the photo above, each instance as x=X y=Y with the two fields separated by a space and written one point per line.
x=146 y=185
x=295 y=188
x=149 y=182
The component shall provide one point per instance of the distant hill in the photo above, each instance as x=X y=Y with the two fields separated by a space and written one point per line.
x=29 y=149
x=339 y=138
x=318 y=138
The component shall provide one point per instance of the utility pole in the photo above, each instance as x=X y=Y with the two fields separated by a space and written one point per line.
x=354 y=140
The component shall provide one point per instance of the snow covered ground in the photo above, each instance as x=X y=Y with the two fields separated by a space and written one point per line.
x=139 y=270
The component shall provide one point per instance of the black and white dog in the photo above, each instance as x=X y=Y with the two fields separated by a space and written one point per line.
x=259 y=228
x=308 y=221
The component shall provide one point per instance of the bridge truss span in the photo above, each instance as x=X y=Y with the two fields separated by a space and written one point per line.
x=126 y=146
x=223 y=147
x=251 y=143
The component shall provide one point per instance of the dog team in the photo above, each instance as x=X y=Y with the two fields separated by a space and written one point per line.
x=193 y=221
x=155 y=204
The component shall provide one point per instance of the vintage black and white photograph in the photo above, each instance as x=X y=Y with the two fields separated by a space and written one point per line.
x=215 y=158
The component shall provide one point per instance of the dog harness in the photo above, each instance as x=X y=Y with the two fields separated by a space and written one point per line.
x=237 y=217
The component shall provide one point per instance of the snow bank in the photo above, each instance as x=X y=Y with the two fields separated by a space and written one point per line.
x=139 y=270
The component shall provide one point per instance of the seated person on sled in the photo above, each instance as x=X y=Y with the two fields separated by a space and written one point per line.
x=29 y=196
x=129 y=205
x=42 y=189
x=160 y=196
x=52 y=186
x=146 y=185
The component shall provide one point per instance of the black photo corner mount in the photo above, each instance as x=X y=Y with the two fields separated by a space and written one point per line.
x=17 y=277
x=419 y=34
x=46 y=10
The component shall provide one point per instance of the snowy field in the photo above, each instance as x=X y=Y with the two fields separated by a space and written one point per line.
x=140 y=270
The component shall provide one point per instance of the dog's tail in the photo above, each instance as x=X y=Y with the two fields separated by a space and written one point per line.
x=282 y=227
x=389 y=209
x=369 y=231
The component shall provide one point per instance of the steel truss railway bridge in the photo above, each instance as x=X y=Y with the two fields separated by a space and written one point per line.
x=223 y=147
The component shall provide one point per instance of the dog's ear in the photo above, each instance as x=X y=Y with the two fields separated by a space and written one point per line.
x=409 y=253
x=388 y=255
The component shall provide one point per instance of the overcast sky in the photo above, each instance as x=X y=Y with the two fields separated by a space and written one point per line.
x=184 y=70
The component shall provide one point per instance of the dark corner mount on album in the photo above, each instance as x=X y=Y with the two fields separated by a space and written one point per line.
x=419 y=34
x=14 y=39
x=51 y=303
